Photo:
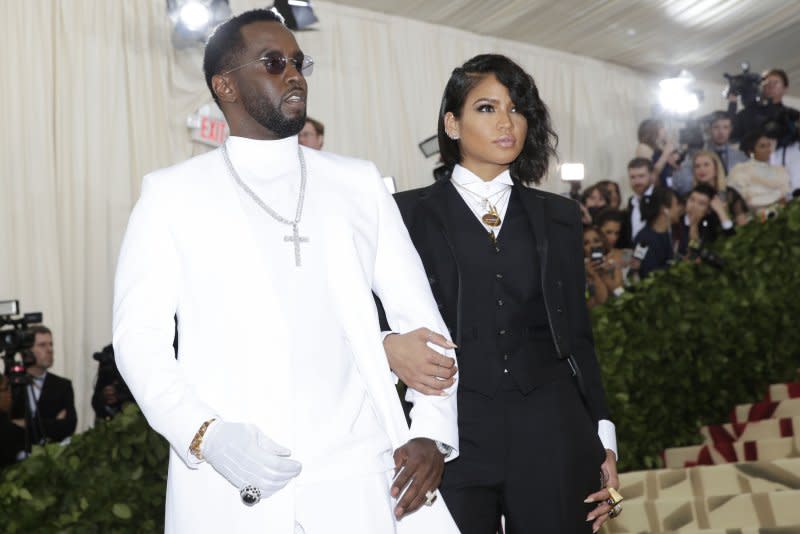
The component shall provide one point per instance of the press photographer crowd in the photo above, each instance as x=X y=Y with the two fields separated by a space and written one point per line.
x=36 y=405
x=725 y=170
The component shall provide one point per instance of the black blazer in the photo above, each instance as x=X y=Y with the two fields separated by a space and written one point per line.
x=56 y=395
x=558 y=232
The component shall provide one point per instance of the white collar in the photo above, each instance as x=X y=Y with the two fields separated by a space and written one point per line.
x=465 y=178
x=264 y=159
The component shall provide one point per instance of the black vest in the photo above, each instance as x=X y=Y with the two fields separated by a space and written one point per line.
x=504 y=320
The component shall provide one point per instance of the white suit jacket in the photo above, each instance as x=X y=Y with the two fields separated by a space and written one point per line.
x=189 y=250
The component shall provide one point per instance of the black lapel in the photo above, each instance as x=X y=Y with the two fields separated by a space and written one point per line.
x=534 y=204
x=437 y=203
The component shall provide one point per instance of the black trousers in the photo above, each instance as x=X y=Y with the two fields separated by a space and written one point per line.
x=531 y=458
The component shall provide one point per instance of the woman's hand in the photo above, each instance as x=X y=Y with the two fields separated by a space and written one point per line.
x=608 y=471
x=419 y=366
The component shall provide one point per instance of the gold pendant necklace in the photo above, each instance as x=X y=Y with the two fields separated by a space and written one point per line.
x=491 y=218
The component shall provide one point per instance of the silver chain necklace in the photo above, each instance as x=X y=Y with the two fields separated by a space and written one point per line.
x=295 y=238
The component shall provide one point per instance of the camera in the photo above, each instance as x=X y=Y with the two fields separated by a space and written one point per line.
x=746 y=85
x=111 y=392
x=16 y=338
x=691 y=136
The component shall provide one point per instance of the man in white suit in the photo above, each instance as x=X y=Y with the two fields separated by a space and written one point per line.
x=280 y=409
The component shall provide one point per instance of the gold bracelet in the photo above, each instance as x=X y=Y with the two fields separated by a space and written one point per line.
x=197 y=441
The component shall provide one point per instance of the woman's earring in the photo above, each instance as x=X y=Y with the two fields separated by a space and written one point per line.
x=454 y=137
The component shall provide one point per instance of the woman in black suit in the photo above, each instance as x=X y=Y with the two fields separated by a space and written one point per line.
x=505 y=263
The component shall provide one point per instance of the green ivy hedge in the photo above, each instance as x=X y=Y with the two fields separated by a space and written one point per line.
x=694 y=341
x=680 y=351
x=110 y=479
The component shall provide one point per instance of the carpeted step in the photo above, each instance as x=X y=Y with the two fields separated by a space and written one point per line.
x=716 y=480
x=738 y=451
x=755 y=430
x=779 y=392
x=758 y=411
x=792 y=529
x=685 y=514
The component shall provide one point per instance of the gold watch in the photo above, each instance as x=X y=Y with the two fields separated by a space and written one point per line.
x=197 y=441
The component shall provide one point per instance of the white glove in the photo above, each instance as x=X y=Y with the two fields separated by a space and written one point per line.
x=246 y=456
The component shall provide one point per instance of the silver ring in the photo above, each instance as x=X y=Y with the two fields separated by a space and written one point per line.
x=250 y=495
x=615 y=511
x=430 y=497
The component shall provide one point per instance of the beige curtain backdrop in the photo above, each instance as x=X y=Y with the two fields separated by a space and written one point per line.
x=96 y=96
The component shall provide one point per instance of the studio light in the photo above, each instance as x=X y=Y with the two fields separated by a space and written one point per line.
x=572 y=172
x=676 y=96
x=297 y=14
x=193 y=20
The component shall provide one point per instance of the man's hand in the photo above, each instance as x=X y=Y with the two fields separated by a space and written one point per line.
x=418 y=467
x=62 y=414
x=419 y=366
x=246 y=456
x=609 y=473
x=19 y=422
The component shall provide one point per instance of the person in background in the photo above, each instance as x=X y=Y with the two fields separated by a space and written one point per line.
x=707 y=169
x=640 y=173
x=655 y=146
x=611 y=223
x=593 y=199
x=51 y=415
x=653 y=245
x=603 y=278
x=762 y=186
x=706 y=218
x=613 y=194
x=313 y=134
x=720 y=126
x=12 y=436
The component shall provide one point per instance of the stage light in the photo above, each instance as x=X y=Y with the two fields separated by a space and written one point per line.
x=676 y=96
x=193 y=20
x=194 y=15
x=297 y=14
x=572 y=172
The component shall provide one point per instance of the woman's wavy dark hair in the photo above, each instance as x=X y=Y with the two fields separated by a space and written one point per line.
x=540 y=143
x=653 y=204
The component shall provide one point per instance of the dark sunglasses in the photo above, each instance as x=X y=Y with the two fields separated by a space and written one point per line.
x=276 y=64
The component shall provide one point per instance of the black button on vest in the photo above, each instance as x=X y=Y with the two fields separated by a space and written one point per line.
x=503 y=317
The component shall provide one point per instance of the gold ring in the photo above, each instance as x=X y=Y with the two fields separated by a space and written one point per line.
x=615 y=497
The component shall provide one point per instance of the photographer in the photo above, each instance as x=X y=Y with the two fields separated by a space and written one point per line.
x=653 y=244
x=769 y=112
x=12 y=437
x=720 y=127
x=111 y=394
x=51 y=415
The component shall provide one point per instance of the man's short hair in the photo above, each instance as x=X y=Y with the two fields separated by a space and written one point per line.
x=318 y=126
x=704 y=189
x=225 y=44
x=40 y=329
x=717 y=116
x=637 y=163
x=776 y=72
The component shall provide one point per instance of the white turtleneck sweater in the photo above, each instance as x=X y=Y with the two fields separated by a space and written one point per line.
x=336 y=431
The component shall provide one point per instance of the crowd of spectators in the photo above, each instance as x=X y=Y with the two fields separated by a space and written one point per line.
x=685 y=197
